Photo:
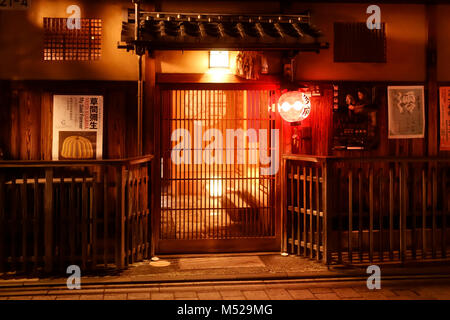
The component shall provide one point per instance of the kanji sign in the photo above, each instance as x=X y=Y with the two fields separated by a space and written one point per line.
x=77 y=127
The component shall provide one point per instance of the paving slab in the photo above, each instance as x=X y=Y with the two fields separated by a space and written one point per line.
x=220 y=262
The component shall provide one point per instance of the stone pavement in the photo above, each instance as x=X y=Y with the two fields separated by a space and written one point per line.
x=224 y=267
x=413 y=289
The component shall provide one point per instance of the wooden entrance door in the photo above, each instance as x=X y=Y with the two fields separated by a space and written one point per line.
x=214 y=195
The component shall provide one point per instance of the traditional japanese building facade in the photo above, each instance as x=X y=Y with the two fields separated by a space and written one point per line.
x=363 y=177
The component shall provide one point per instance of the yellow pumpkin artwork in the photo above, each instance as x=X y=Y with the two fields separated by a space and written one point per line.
x=77 y=147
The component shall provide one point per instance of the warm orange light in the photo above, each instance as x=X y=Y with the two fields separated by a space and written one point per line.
x=219 y=59
x=294 y=106
x=218 y=74
x=215 y=188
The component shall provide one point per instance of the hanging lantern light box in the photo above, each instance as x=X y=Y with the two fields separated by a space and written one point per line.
x=294 y=106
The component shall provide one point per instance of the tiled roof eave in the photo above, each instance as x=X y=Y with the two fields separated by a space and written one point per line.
x=162 y=31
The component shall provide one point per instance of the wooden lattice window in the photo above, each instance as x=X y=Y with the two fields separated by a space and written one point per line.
x=62 y=43
x=354 y=42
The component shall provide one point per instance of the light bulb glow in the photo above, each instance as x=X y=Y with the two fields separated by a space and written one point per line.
x=219 y=59
x=215 y=188
x=294 y=106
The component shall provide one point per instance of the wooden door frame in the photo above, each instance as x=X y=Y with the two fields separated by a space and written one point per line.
x=205 y=82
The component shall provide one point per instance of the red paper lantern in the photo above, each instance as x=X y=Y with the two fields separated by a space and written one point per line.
x=294 y=106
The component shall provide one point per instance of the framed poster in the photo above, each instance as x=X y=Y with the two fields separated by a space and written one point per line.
x=406 y=112
x=444 y=93
x=355 y=117
x=77 y=127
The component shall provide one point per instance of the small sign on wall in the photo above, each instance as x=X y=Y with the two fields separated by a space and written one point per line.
x=14 y=4
x=445 y=119
x=77 y=127
x=406 y=107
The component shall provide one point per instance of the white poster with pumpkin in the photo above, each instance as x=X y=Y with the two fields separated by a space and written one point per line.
x=77 y=127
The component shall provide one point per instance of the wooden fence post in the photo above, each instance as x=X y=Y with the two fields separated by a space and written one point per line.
x=327 y=174
x=2 y=223
x=150 y=213
x=120 y=216
x=283 y=207
x=403 y=208
x=48 y=220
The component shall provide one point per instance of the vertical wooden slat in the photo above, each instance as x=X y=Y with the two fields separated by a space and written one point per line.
x=434 y=205
x=94 y=211
x=424 y=213
x=326 y=196
x=284 y=180
x=104 y=174
x=2 y=224
x=131 y=215
x=338 y=210
x=299 y=213
x=46 y=126
x=311 y=215
x=381 y=213
x=128 y=220
x=84 y=223
x=48 y=219
x=62 y=231
x=350 y=214
x=403 y=209
x=24 y=203
x=318 y=208
x=15 y=125
x=444 y=213
x=371 y=213
x=292 y=215
x=120 y=216
x=73 y=219
x=360 y=215
x=305 y=208
x=391 y=213
x=413 y=207
x=36 y=223
x=14 y=224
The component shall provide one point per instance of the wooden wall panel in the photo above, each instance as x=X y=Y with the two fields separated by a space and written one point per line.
x=27 y=116
x=113 y=125
x=46 y=126
x=321 y=123
x=29 y=124
x=13 y=148
x=5 y=115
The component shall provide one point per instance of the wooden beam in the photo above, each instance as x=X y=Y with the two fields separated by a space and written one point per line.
x=431 y=73
x=48 y=220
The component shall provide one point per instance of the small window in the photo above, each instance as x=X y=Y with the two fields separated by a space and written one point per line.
x=62 y=43
x=354 y=42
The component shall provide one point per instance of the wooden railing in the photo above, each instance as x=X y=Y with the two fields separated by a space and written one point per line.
x=358 y=210
x=95 y=214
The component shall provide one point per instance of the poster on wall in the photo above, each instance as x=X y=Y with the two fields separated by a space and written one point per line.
x=355 y=117
x=445 y=119
x=77 y=127
x=406 y=112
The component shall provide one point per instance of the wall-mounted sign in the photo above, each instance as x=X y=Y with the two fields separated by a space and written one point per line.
x=14 y=4
x=406 y=112
x=445 y=119
x=77 y=127
x=355 y=117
